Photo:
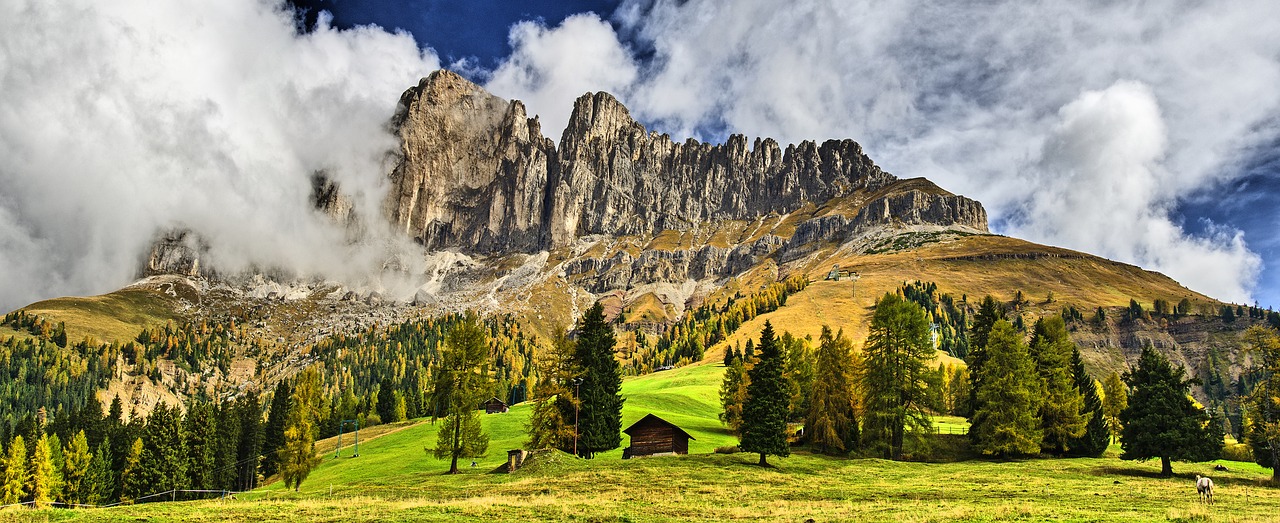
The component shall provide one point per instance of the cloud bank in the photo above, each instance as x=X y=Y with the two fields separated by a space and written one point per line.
x=120 y=119
x=1078 y=124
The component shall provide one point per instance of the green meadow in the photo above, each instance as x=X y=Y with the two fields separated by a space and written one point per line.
x=394 y=479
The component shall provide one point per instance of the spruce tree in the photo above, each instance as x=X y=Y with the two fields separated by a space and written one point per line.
x=989 y=312
x=249 y=444
x=100 y=480
x=1264 y=428
x=1062 y=417
x=1096 y=434
x=764 y=415
x=75 y=471
x=600 y=417
x=202 y=440
x=15 y=472
x=386 y=401
x=830 y=424
x=898 y=350
x=273 y=432
x=1161 y=420
x=164 y=453
x=464 y=374
x=1115 y=398
x=1008 y=397
x=798 y=372
x=297 y=454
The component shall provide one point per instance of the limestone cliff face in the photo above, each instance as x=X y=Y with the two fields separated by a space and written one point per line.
x=477 y=175
x=474 y=170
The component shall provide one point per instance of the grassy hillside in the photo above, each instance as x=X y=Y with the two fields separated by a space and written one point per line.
x=117 y=316
x=394 y=479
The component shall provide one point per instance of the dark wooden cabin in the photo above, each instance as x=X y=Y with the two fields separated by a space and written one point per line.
x=495 y=406
x=655 y=436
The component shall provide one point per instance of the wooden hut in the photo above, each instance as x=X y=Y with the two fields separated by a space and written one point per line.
x=654 y=436
x=495 y=406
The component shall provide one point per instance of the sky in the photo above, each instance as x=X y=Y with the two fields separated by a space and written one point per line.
x=1145 y=132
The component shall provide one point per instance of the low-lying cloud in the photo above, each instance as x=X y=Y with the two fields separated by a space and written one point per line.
x=121 y=119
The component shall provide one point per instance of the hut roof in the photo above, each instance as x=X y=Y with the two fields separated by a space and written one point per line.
x=650 y=418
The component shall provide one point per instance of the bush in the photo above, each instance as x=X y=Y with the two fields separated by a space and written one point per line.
x=731 y=449
x=1237 y=452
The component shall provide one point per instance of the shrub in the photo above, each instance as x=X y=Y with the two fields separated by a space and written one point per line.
x=730 y=449
x=1237 y=452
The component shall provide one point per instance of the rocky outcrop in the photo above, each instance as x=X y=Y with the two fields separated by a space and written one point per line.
x=176 y=252
x=477 y=175
x=474 y=169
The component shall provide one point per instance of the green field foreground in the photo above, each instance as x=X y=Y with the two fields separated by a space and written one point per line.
x=394 y=479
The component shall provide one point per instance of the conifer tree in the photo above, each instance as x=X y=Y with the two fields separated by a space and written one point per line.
x=15 y=472
x=600 y=417
x=387 y=401
x=249 y=443
x=764 y=415
x=297 y=454
x=1061 y=407
x=75 y=471
x=202 y=440
x=463 y=375
x=99 y=481
x=40 y=480
x=989 y=312
x=273 y=432
x=897 y=352
x=1096 y=434
x=798 y=372
x=830 y=424
x=551 y=421
x=1115 y=398
x=1264 y=428
x=1161 y=421
x=133 y=480
x=164 y=452
x=733 y=395
x=1007 y=399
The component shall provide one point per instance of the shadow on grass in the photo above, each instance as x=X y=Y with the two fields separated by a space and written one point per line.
x=1190 y=477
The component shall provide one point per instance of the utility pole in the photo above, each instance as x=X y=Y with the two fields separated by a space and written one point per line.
x=576 y=401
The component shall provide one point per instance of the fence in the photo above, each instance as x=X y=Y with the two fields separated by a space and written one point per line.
x=172 y=494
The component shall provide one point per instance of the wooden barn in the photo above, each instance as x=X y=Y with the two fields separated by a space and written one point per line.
x=654 y=436
x=495 y=406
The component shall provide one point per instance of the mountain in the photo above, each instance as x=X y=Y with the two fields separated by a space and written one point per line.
x=510 y=222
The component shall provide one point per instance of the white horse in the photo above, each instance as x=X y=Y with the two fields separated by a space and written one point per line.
x=1204 y=486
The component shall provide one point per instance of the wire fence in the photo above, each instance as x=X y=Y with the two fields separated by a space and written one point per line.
x=172 y=494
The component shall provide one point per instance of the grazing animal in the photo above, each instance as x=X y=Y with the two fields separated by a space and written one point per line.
x=1204 y=486
x=1220 y=468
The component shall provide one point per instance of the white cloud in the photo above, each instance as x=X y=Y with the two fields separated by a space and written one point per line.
x=549 y=68
x=121 y=118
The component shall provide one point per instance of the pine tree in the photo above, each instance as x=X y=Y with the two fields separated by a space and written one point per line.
x=831 y=425
x=1096 y=434
x=75 y=471
x=164 y=451
x=733 y=395
x=1062 y=419
x=297 y=454
x=1161 y=420
x=15 y=472
x=1264 y=427
x=897 y=351
x=1115 y=398
x=202 y=440
x=1008 y=396
x=551 y=421
x=40 y=480
x=600 y=417
x=764 y=415
x=989 y=312
x=273 y=432
x=463 y=375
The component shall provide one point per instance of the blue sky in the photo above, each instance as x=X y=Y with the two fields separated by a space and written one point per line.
x=1144 y=132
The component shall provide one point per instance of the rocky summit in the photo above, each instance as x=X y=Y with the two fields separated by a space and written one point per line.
x=477 y=175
